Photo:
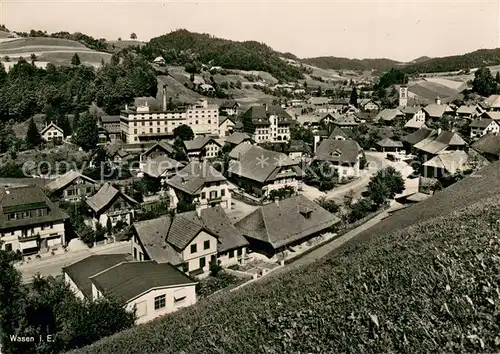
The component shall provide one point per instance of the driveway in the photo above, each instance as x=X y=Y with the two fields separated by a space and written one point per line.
x=53 y=265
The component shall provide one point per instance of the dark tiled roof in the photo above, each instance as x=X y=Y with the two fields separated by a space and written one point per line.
x=260 y=115
x=341 y=151
x=237 y=138
x=128 y=280
x=259 y=164
x=80 y=271
x=167 y=148
x=194 y=176
x=110 y=119
x=157 y=166
x=229 y=104
x=489 y=144
x=27 y=198
x=66 y=179
x=229 y=237
x=280 y=224
x=434 y=145
x=343 y=132
x=418 y=136
x=105 y=196
x=51 y=125
x=481 y=123
x=199 y=142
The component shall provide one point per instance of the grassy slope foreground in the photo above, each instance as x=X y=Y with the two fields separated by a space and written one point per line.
x=426 y=279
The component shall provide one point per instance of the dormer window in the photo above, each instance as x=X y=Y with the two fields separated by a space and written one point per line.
x=305 y=211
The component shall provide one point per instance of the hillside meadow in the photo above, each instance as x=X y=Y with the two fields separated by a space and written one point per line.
x=425 y=280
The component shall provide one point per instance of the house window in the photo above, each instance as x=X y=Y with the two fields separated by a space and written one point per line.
x=222 y=192
x=240 y=252
x=203 y=195
x=203 y=262
x=193 y=248
x=231 y=254
x=160 y=302
x=206 y=245
x=150 y=130
x=8 y=246
x=135 y=253
x=213 y=194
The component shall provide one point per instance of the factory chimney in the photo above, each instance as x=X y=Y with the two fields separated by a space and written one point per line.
x=164 y=97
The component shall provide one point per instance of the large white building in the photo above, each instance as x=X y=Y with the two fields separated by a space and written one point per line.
x=267 y=124
x=147 y=120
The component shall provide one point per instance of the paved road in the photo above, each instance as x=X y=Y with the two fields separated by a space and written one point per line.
x=54 y=264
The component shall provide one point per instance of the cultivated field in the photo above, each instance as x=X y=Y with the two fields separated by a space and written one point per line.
x=49 y=50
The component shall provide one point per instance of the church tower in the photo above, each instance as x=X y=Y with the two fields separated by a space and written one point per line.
x=403 y=96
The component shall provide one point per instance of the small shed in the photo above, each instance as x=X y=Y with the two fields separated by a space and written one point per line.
x=389 y=145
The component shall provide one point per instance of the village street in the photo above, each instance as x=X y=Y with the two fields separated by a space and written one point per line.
x=52 y=265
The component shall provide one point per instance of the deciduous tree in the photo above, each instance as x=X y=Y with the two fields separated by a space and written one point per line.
x=87 y=135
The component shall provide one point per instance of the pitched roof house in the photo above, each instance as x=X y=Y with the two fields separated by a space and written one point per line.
x=260 y=171
x=204 y=147
x=29 y=221
x=346 y=121
x=190 y=238
x=444 y=140
x=418 y=136
x=437 y=111
x=445 y=164
x=52 y=133
x=482 y=126
x=273 y=227
x=152 y=289
x=226 y=125
x=237 y=138
x=493 y=102
x=158 y=149
x=342 y=155
x=468 y=112
x=489 y=146
x=110 y=203
x=162 y=167
x=341 y=134
x=267 y=123
x=388 y=115
x=72 y=186
x=201 y=184
x=389 y=145
x=230 y=107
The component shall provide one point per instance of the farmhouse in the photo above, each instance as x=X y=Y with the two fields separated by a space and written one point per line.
x=436 y=111
x=367 y=104
x=259 y=171
x=158 y=149
x=29 y=221
x=111 y=127
x=410 y=140
x=389 y=145
x=203 y=147
x=298 y=149
x=493 y=103
x=238 y=138
x=148 y=120
x=442 y=141
x=482 y=126
x=200 y=184
x=341 y=134
x=348 y=121
x=267 y=123
x=229 y=108
x=111 y=204
x=342 y=155
x=274 y=227
x=159 y=61
x=190 y=238
x=52 y=133
x=387 y=116
x=151 y=288
x=226 y=125
x=72 y=186
x=467 y=112
x=445 y=164
x=489 y=146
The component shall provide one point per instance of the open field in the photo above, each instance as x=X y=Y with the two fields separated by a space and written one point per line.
x=125 y=43
x=425 y=279
x=49 y=50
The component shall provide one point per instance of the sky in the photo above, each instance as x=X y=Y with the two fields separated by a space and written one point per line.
x=397 y=29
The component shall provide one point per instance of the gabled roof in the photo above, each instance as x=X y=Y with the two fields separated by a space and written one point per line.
x=466 y=109
x=318 y=100
x=50 y=126
x=493 y=101
x=80 y=271
x=66 y=179
x=229 y=237
x=237 y=138
x=239 y=150
x=110 y=119
x=436 y=110
x=344 y=133
x=418 y=136
x=495 y=115
x=415 y=123
x=482 y=123
x=222 y=119
x=105 y=196
x=287 y=221
x=128 y=280
x=489 y=144
x=449 y=161
x=229 y=104
x=199 y=142
x=437 y=144
x=160 y=164
x=389 y=143
x=346 y=121
x=167 y=148
x=341 y=151
x=388 y=114
x=193 y=177
x=260 y=114
x=25 y=199
x=261 y=165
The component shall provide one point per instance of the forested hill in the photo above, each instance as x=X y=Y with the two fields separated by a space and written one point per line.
x=181 y=47
x=337 y=63
x=478 y=58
